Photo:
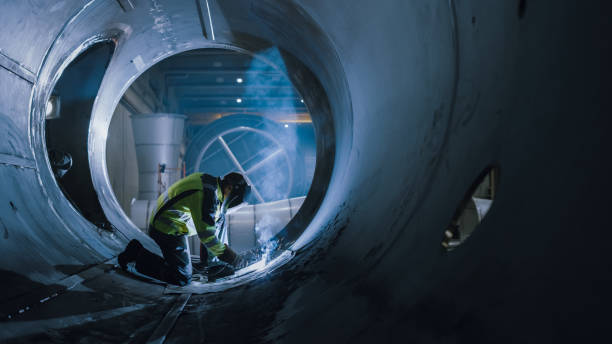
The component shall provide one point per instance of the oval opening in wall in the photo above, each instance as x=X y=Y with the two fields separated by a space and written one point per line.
x=67 y=120
x=473 y=209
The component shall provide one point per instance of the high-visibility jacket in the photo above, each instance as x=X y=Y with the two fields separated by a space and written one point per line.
x=192 y=205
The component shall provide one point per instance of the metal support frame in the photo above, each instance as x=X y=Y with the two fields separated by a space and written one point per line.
x=167 y=323
x=240 y=168
x=258 y=165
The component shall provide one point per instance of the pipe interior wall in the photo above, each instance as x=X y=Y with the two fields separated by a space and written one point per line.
x=122 y=164
x=423 y=96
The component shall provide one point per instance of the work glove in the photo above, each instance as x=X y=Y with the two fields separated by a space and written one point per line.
x=232 y=258
x=218 y=271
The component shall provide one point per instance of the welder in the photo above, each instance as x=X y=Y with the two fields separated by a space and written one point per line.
x=195 y=204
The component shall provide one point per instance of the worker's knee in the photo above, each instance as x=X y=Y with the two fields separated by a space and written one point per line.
x=183 y=276
x=184 y=281
x=180 y=276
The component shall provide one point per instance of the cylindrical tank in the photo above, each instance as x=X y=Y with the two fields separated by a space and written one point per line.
x=140 y=212
x=158 y=138
x=422 y=96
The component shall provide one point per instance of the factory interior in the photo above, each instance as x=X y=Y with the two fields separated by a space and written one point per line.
x=420 y=171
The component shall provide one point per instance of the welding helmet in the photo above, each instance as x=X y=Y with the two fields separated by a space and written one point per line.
x=240 y=188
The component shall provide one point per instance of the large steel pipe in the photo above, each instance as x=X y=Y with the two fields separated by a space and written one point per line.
x=414 y=100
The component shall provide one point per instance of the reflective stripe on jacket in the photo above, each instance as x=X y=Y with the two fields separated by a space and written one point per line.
x=191 y=206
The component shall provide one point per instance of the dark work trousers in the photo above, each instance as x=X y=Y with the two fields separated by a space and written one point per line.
x=175 y=267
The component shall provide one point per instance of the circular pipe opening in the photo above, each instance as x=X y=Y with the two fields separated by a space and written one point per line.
x=311 y=96
x=269 y=138
x=312 y=64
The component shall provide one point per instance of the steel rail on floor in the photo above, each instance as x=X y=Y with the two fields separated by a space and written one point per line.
x=167 y=323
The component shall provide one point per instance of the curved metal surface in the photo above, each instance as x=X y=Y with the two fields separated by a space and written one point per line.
x=135 y=34
x=420 y=96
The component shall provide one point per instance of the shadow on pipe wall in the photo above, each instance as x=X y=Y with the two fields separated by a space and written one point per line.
x=77 y=88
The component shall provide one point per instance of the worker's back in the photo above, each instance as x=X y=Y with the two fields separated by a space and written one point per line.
x=184 y=201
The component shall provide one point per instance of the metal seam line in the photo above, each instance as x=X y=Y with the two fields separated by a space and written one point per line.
x=167 y=323
x=235 y=161
x=202 y=25
x=212 y=30
x=123 y=3
x=16 y=68
x=8 y=159
x=26 y=301
x=17 y=329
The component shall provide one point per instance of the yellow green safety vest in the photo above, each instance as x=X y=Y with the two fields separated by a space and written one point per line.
x=192 y=205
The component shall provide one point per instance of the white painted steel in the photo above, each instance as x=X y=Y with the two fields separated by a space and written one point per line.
x=263 y=221
x=158 y=139
x=140 y=212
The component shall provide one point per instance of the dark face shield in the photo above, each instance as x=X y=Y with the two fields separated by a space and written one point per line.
x=238 y=195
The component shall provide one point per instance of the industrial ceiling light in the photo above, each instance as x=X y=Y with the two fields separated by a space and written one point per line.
x=239 y=80
x=238 y=100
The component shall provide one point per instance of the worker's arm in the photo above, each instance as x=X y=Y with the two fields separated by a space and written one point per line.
x=205 y=226
x=203 y=218
x=219 y=249
x=210 y=241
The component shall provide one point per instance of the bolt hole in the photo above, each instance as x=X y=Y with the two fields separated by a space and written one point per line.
x=472 y=209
